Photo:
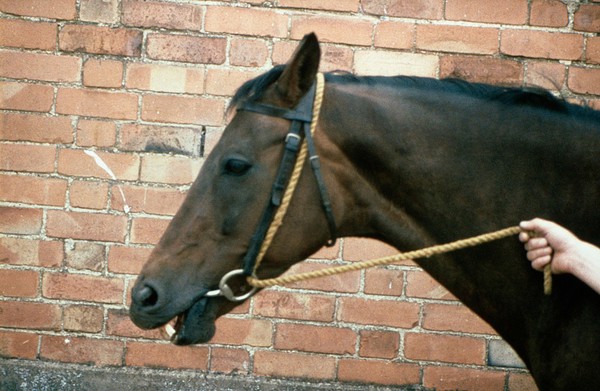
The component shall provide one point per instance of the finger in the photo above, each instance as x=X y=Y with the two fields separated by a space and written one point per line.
x=536 y=243
x=533 y=255
x=524 y=237
x=541 y=262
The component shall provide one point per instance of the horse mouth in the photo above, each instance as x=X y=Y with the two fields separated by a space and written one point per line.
x=194 y=325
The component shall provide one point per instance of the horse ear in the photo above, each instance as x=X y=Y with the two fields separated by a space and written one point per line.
x=300 y=71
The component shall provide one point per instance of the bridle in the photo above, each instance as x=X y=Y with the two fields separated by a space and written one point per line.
x=304 y=118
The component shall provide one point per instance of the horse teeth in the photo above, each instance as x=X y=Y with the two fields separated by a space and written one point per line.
x=170 y=330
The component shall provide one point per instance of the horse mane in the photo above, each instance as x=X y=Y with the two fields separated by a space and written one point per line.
x=536 y=97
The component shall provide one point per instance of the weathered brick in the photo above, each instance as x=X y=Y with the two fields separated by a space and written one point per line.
x=36 y=128
x=200 y=50
x=444 y=348
x=20 y=220
x=371 y=62
x=231 y=361
x=17 y=157
x=453 y=378
x=92 y=133
x=269 y=363
x=345 y=282
x=378 y=312
x=18 y=345
x=28 y=35
x=76 y=162
x=86 y=226
x=349 y=30
x=116 y=105
x=421 y=284
x=541 y=44
x=165 y=78
x=315 y=339
x=379 y=344
x=28 y=315
x=421 y=9
x=458 y=318
x=85 y=318
x=224 y=82
x=16 y=251
x=103 y=73
x=183 y=109
x=160 y=201
x=362 y=249
x=395 y=35
x=584 y=80
x=145 y=230
x=593 y=50
x=88 y=194
x=163 y=15
x=148 y=138
x=23 y=96
x=106 y=11
x=266 y=23
x=500 y=354
x=33 y=190
x=550 y=13
x=85 y=255
x=100 y=352
x=380 y=372
x=83 y=287
x=19 y=283
x=544 y=74
x=587 y=18
x=509 y=12
x=288 y=305
x=141 y=354
x=128 y=260
x=384 y=282
x=331 y=5
x=176 y=170
x=248 y=53
x=521 y=382
x=457 y=39
x=482 y=69
x=59 y=9
x=100 y=40
x=253 y=332
x=119 y=323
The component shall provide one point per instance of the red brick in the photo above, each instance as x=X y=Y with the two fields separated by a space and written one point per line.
x=100 y=40
x=395 y=35
x=84 y=318
x=18 y=283
x=550 y=13
x=457 y=39
x=482 y=69
x=452 y=378
x=541 y=44
x=331 y=5
x=268 y=363
x=363 y=249
x=315 y=339
x=521 y=382
x=116 y=105
x=151 y=200
x=36 y=128
x=200 y=50
x=127 y=260
x=180 y=140
x=165 y=78
x=91 y=133
x=169 y=169
x=547 y=75
x=18 y=345
x=59 y=9
x=147 y=230
x=378 y=312
x=103 y=73
x=106 y=11
x=87 y=226
x=421 y=284
x=248 y=53
x=384 y=282
x=253 y=332
x=379 y=372
x=99 y=352
x=349 y=30
x=83 y=287
x=584 y=80
x=140 y=354
x=288 y=305
x=88 y=194
x=33 y=190
x=266 y=23
x=28 y=97
x=28 y=315
x=224 y=82
x=17 y=251
x=17 y=157
x=345 y=282
x=421 y=9
x=28 y=35
x=379 y=344
x=443 y=317
x=20 y=220
x=507 y=12
x=587 y=18
x=231 y=361
x=444 y=348
x=593 y=50
x=23 y=65
x=76 y=162
x=85 y=255
x=183 y=109
x=162 y=15
x=119 y=323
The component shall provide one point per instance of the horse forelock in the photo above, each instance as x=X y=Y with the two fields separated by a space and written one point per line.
x=254 y=89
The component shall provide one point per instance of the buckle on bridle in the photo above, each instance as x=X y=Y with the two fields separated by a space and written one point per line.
x=226 y=291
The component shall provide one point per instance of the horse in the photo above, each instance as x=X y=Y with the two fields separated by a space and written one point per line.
x=408 y=161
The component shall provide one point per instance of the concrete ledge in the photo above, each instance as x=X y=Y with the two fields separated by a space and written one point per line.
x=48 y=376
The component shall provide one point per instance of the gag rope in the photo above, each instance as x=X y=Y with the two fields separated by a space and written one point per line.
x=422 y=253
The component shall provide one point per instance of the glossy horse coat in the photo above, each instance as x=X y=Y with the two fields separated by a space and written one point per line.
x=411 y=162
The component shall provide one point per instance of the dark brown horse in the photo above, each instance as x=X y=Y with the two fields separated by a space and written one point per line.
x=411 y=162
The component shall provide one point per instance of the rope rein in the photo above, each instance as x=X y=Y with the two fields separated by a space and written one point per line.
x=422 y=253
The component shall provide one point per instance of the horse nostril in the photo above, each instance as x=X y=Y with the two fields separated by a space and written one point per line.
x=146 y=296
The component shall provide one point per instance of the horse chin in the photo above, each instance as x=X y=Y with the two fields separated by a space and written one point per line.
x=196 y=324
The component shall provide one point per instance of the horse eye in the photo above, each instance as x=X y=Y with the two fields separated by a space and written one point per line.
x=237 y=167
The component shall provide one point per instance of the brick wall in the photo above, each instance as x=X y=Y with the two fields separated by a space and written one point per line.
x=135 y=81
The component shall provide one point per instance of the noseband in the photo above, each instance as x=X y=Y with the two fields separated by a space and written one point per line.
x=303 y=119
